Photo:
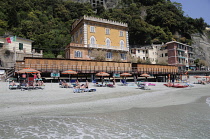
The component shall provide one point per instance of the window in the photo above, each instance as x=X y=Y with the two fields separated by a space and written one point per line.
x=122 y=44
x=81 y=40
x=109 y=55
x=92 y=29
x=72 y=38
x=108 y=43
x=92 y=41
x=107 y=31
x=1 y=45
x=20 y=46
x=121 y=34
x=138 y=51
x=80 y=30
x=77 y=54
x=166 y=54
x=76 y=35
x=123 y=56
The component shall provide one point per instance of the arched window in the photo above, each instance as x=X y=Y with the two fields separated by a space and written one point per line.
x=108 y=43
x=122 y=44
x=92 y=41
x=77 y=54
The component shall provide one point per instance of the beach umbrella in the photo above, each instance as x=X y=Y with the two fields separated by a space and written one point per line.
x=144 y=75
x=102 y=74
x=125 y=74
x=69 y=72
x=28 y=70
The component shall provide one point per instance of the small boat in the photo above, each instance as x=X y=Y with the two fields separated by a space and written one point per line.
x=179 y=86
x=168 y=85
x=175 y=85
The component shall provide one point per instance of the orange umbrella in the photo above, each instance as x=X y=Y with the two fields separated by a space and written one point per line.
x=69 y=72
x=102 y=74
x=125 y=74
x=144 y=75
x=28 y=70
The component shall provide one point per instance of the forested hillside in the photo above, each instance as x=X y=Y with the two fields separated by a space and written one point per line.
x=48 y=22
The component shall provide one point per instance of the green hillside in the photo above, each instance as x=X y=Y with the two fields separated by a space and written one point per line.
x=48 y=22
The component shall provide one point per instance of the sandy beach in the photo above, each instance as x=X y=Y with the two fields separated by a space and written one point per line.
x=62 y=101
x=120 y=112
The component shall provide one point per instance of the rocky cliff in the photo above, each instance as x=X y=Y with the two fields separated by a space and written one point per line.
x=201 y=45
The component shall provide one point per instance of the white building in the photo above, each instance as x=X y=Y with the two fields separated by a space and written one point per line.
x=14 y=49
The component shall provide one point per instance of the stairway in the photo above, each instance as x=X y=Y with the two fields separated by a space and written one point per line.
x=9 y=73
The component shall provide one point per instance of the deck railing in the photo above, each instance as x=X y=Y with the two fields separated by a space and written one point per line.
x=95 y=69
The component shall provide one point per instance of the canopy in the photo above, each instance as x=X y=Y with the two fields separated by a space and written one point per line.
x=69 y=72
x=125 y=74
x=28 y=70
x=102 y=74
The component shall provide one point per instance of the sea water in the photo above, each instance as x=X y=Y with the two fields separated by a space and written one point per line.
x=186 y=121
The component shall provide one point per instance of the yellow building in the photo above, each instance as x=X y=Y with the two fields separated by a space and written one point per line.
x=96 y=38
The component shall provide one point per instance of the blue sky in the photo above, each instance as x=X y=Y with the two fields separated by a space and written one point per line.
x=196 y=8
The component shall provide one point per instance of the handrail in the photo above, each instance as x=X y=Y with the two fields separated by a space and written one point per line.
x=95 y=69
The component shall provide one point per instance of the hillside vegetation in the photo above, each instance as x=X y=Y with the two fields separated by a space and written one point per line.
x=48 y=22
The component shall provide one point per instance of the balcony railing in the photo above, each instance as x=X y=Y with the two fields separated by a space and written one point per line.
x=95 y=69
x=107 y=47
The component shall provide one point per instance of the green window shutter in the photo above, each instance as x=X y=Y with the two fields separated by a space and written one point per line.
x=20 y=46
x=1 y=45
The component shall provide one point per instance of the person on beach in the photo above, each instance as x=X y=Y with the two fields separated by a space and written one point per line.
x=113 y=81
x=35 y=76
x=24 y=83
x=86 y=84
x=39 y=75
x=13 y=83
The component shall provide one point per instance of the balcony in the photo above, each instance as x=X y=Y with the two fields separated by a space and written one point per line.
x=105 y=47
x=181 y=56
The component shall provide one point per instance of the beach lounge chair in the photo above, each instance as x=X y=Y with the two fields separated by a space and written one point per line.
x=78 y=90
x=13 y=87
x=89 y=90
x=124 y=82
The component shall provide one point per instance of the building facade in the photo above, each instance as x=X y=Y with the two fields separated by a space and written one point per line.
x=172 y=53
x=13 y=49
x=93 y=36
x=180 y=54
